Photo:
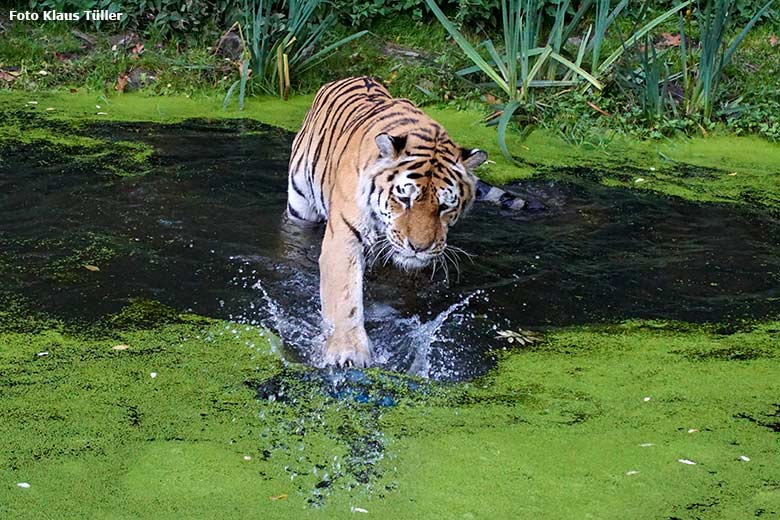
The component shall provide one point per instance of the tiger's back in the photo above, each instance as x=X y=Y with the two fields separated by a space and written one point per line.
x=345 y=116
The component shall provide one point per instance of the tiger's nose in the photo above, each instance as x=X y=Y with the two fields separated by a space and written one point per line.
x=419 y=247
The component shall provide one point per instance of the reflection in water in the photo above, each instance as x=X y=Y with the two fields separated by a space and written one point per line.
x=202 y=232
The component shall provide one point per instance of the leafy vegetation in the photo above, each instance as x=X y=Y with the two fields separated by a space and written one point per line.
x=530 y=60
x=701 y=85
x=280 y=45
x=156 y=17
x=663 y=68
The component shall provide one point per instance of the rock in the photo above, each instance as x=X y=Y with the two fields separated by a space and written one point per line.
x=404 y=53
x=138 y=78
x=87 y=39
x=124 y=41
x=230 y=45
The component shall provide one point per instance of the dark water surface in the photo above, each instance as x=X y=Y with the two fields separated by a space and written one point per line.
x=202 y=232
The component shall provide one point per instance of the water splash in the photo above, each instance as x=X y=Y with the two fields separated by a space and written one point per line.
x=290 y=307
x=429 y=333
x=300 y=335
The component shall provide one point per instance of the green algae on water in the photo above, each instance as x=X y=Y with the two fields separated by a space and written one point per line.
x=155 y=413
x=738 y=169
x=25 y=132
x=591 y=422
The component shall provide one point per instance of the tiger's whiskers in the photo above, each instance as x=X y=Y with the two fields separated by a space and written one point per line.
x=452 y=254
x=378 y=250
x=444 y=268
x=449 y=255
x=459 y=251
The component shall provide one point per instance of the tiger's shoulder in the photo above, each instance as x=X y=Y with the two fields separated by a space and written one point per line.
x=361 y=102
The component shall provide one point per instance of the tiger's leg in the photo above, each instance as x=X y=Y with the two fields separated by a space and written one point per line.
x=341 y=294
x=505 y=199
x=300 y=199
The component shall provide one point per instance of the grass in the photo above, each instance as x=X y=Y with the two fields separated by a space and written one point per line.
x=50 y=56
x=413 y=57
x=551 y=434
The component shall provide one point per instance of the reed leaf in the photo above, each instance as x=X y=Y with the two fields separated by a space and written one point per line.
x=578 y=70
x=503 y=122
x=609 y=62
x=283 y=39
x=700 y=88
x=469 y=50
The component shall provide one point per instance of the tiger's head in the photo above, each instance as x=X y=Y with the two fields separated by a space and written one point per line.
x=422 y=185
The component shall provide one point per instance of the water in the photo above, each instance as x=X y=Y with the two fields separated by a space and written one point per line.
x=203 y=232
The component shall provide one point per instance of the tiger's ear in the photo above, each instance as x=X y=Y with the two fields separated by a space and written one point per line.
x=390 y=146
x=472 y=158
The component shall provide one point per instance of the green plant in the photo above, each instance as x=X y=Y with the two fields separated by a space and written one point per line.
x=280 y=45
x=530 y=59
x=368 y=11
x=702 y=81
x=607 y=66
x=743 y=10
x=519 y=67
x=651 y=79
x=157 y=17
x=761 y=118
x=652 y=101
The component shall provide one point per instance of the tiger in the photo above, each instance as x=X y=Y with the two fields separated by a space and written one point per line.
x=385 y=177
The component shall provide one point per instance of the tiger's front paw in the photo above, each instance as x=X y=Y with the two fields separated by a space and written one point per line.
x=349 y=349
